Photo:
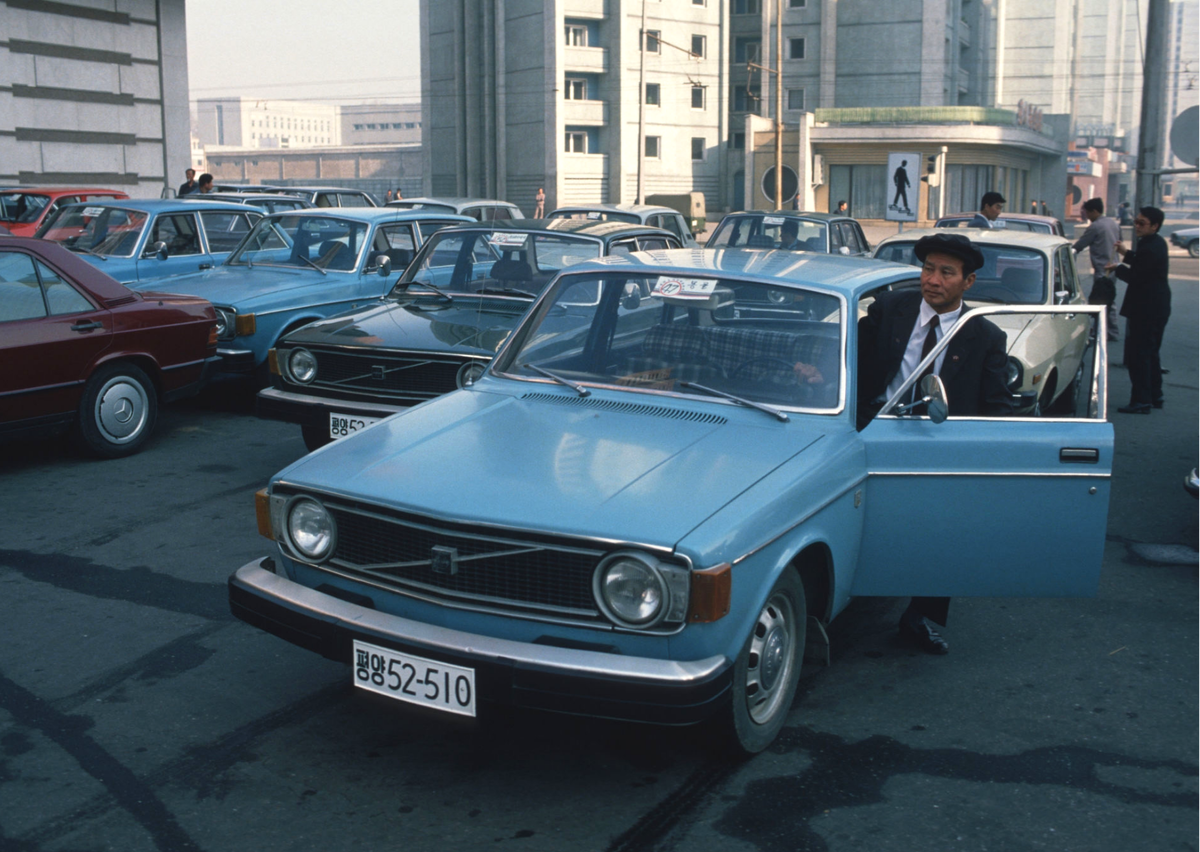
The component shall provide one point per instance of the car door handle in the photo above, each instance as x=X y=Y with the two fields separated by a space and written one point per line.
x=87 y=326
x=1079 y=455
x=206 y=266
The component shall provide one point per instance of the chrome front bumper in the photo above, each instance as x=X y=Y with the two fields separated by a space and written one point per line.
x=549 y=677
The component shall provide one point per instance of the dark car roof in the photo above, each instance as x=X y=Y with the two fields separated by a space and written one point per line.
x=602 y=230
x=795 y=214
x=59 y=191
x=106 y=288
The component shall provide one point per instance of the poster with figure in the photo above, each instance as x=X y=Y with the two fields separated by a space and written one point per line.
x=903 y=189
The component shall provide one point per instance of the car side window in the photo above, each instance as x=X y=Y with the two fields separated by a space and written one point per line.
x=20 y=293
x=395 y=241
x=61 y=296
x=653 y=243
x=475 y=213
x=623 y=248
x=862 y=238
x=224 y=230
x=1066 y=278
x=178 y=231
x=428 y=229
x=835 y=239
x=499 y=213
x=326 y=199
x=352 y=199
x=676 y=225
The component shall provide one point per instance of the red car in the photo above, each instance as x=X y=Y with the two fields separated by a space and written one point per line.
x=84 y=353
x=23 y=209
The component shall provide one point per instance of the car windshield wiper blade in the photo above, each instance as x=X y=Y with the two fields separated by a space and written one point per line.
x=92 y=252
x=578 y=388
x=429 y=286
x=774 y=412
x=506 y=291
x=313 y=265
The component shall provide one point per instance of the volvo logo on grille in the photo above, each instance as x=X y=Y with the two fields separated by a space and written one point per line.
x=377 y=372
x=444 y=559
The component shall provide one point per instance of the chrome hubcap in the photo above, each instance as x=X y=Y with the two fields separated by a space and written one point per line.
x=772 y=656
x=121 y=409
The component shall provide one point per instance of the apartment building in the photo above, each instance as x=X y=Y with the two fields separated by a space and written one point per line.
x=266 y=123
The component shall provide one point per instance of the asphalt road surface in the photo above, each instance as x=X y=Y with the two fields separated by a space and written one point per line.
x=137 y=714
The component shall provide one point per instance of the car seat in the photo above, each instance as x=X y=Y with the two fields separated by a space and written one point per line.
x=511 y=270
x=759 y=241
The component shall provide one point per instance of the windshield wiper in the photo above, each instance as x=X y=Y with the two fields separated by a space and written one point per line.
x=88 y=251
x=313 y=265
x=578 y=388
x=774 y=412
x=505 y=291
x=429 y=286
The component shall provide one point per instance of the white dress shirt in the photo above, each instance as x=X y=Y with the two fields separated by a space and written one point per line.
x=916 y=342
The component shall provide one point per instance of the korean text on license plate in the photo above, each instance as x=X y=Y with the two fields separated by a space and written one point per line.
x=416 y=680
x=341 y=425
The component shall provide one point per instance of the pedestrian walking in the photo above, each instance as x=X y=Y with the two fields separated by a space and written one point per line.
x=900 y=179
x=1100 y=239
x=990 y=208
x=539 y=206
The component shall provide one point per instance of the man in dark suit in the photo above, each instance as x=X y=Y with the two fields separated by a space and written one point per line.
x=900 y=329
x=1146 y=308
x=990 y=208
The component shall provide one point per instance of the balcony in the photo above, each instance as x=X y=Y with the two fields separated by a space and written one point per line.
x=584 y=165
x=589 y=60
x=586 y=113
x=964 y=33
x=583 y=9
x=964 y=81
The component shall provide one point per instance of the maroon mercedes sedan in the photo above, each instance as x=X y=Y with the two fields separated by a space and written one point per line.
x=84 y=353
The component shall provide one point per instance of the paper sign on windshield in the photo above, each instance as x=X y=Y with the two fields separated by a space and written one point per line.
x=684 y=288
x=507 y=240
x=772 y=220
x=92 y=211
x=593 y=214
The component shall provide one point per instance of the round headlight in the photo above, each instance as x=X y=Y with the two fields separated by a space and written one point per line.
x=630 y=590
x=1013 y=373
x=469 y=373
x=310 y=528
x=225 y=321
x=779 y=297
x=302 y=364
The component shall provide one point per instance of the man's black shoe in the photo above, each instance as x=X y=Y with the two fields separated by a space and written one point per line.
x=924 y=636
x=1135 y=408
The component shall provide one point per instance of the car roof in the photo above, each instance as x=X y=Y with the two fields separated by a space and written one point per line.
x=158 y=205
x=257 y=196
x=322 y=189
x=583 y=227
x=58 y=190
x=794 y=214
x=368 y=214
x=615 y=208
x=834 y=273
x=465 y=201
x=101 y=284
x=988 y=236
x=1025 y=217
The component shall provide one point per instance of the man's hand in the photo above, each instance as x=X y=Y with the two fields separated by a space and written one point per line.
x=807 y=373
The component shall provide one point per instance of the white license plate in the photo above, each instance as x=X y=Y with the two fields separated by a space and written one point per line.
x=414 y=679
x=341 y=425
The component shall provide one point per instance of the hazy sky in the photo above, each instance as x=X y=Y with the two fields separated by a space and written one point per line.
x=340 y=51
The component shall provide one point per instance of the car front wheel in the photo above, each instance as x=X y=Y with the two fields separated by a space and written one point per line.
x=1194 y=248
x=118 y=411
x=768 y=669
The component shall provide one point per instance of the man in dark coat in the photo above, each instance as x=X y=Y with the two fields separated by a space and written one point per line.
x=189 y=185
x=1146 y=307
x=899 y=330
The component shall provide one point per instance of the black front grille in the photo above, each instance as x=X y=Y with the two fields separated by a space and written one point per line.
x=397 y=375
x=515 y=573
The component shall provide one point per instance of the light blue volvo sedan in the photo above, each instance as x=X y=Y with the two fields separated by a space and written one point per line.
x=657 y=496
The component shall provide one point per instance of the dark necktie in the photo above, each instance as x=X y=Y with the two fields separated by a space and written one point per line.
x=931 y=340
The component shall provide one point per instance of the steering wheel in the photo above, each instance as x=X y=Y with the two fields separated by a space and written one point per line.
x=778 y=362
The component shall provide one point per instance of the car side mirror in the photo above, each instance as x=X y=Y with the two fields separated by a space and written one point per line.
x=844 y=250
x=159 y=250
x=631 y=299
x=932 y=389
x=384 y=266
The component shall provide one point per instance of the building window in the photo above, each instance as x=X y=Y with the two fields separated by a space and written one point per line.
x=576 y=142
x=653 y=95
x=737 y=141
x=795 y=99
x=653 y=41
x=698 y=147
x=698 y=2
x=697 y=97
x=654 y=147
x=747 y=49
x=576 y=89
x=747 y=7
x=577 y=35
x=698 y=44
x=797 y=4
x=795 y=48
x=745 y=101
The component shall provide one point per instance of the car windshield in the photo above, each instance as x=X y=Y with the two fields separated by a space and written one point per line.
x=304 y=241
x=597 y=216
x=768 y=344
x=767 y=232
x=1010 y=275
x=96 y=229
x=517 y=263
x=21 y=207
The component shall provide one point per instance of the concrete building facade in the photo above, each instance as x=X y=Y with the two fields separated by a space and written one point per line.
x=262 y=123
x=545 y=93
x=94 y=94
x=373 y=168
x=380 y=124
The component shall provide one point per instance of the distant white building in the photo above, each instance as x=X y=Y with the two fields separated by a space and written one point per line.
x=94 y=94
x=380 y=124
x=266 y=123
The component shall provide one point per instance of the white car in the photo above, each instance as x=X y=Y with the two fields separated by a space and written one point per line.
x=1045 y=351
x=635 y=214
x=1188 y=238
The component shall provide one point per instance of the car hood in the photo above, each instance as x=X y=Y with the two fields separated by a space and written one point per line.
x=607 y=468
x=468 y=324
x=230 y=285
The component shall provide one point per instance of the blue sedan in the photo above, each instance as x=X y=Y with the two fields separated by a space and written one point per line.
x=657 y=496
x=305 y=265
x=141 y=242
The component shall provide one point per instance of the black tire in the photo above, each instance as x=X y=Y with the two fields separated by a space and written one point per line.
x=1194 y=248
x=767 y=670
x=315 y=437
x=1067 y=402
x=1043 y=406
x=117 y=413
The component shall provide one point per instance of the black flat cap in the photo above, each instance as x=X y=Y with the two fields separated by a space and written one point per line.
x=955 y=245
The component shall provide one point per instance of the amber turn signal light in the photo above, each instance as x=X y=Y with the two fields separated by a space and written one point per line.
x=711 y=589
x=244 y=325
x=273 y=362
x=212 y=335
x=262 y=511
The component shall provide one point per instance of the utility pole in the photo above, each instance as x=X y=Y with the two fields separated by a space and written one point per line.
x=641 y=142
x=1154 y=108
x=779 y=105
